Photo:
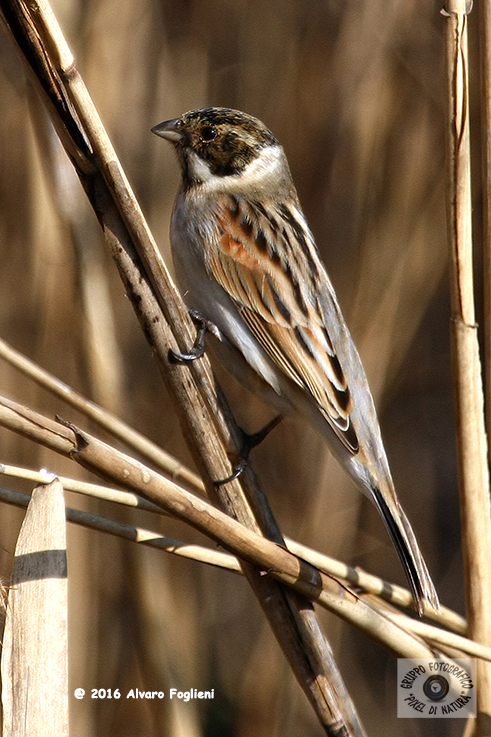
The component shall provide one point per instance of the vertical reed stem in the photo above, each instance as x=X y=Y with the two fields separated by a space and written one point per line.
x=469 y=400
x=485 y=56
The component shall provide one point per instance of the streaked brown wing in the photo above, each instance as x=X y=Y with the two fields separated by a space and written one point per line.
x=256 y=260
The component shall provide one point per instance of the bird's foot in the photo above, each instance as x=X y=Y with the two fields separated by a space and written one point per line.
x=249 y=442
x=197 y=351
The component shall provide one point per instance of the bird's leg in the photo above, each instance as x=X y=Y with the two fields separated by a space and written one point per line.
x=249 y=442
x=198 y=349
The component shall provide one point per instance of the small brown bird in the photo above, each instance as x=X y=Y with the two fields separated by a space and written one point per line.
x=246 y=261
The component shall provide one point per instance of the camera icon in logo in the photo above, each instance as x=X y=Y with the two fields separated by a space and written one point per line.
x=436 y=688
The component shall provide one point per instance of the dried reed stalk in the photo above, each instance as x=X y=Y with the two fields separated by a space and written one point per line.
x=485 y=53
x=205 y=424
x=355 y=577
x=172 y=468
x=272 y=560
x=433 y=635
x=471 y=434
x=35 y=644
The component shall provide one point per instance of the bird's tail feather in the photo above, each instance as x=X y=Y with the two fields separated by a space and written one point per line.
x=408 y=550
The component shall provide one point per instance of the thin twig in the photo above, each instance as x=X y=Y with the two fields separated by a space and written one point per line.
x=96 y=491
x=439 y=637
x=134 y=534
x=117 y=427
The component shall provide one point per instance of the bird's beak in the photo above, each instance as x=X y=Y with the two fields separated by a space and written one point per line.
x=168 y=130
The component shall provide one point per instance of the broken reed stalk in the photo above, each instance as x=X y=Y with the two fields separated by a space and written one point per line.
x=207 y=426
x=35 y=641
x=469 y=401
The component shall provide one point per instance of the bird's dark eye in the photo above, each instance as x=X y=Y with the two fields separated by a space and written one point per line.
x=208 y=133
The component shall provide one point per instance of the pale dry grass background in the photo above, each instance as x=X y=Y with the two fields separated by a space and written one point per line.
x=355 y=93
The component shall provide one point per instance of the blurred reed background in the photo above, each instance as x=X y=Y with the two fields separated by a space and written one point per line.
x=355 y=93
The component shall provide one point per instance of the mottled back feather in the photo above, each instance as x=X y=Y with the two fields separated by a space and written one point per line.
x=278 y=304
